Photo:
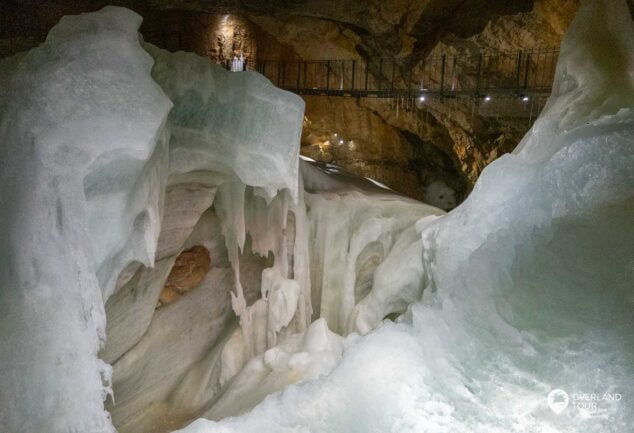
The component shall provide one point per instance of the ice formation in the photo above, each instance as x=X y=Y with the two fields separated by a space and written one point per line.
x=82 y=157
x=119 y=156
x=528 y=283
x=439 y=194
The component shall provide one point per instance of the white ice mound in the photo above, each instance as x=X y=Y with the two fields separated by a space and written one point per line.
x=528 y=283
x=81 y=122
x=87 y=151
x=235 y=124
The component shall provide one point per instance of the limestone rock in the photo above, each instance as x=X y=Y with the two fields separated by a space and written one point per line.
x=188 y=271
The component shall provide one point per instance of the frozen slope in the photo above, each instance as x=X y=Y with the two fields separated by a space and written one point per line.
x=529 y=284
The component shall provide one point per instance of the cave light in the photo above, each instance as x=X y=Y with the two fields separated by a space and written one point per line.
x=323 y=144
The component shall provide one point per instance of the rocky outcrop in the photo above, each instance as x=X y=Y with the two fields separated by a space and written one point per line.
x=218 y=37
x=366 y=138
x=443 y=141
x=188 y=271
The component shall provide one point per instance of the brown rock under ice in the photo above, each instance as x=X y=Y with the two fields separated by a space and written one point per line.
x=188 y=271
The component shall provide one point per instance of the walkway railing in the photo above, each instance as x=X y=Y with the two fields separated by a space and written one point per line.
x=521 y=73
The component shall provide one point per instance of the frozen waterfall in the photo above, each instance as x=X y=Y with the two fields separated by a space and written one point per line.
x=119 y=156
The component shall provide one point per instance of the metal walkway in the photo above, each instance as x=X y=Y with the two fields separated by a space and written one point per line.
x=511 y=75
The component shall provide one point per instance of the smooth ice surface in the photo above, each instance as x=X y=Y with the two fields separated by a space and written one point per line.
x=528 y=283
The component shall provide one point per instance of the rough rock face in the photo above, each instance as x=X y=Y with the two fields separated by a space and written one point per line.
x=382 y=28
x=188 y=271
x=468 y=136
x=219 y=37
x=353 y=134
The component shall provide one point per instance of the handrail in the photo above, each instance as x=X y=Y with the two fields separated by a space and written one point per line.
x=520 y=73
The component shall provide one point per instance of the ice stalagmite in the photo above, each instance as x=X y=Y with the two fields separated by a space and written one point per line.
x=528 y=284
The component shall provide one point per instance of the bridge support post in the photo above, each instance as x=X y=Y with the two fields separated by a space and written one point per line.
x=380 y=74
x=442 y=74
x=409 y=79
x=354 y=70
x=367 y=71
x=519 y=69
x=528 y=65
x=479 y=75
x=453 y=73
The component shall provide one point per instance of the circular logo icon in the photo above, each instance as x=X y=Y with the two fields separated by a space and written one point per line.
x=558 y=400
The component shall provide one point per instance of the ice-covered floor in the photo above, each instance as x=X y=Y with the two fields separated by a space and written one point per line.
x=119 y=153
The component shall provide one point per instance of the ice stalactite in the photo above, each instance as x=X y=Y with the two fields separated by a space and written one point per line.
x=316 y=239
x=340 y=237
x=354 y=229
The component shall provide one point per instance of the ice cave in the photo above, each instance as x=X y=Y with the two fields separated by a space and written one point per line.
x=315 y=216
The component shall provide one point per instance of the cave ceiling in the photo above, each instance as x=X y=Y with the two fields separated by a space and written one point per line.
x=382 y=27
x=385 y=28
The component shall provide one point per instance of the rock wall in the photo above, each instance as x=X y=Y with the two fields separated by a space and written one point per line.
x=355 y=134
x=219 y=37
x=443 y=141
